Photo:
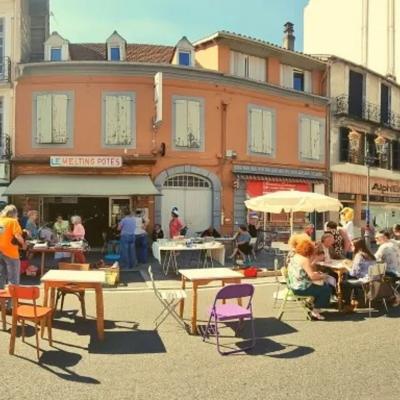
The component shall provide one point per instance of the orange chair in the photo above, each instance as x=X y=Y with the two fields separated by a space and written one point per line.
x=4 y=297
x=71 y=288
x=22 y=312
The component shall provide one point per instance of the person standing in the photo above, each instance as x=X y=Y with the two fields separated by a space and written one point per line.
x=60 y=227
x=141 y=237
x=127 y=228
x=31 y=224
x=10 y=238
x=77 y=233
x=175 y=225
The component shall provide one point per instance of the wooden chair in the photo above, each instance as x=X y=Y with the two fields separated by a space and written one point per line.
x=34 y=313
x=4 y=297
x=71 y=288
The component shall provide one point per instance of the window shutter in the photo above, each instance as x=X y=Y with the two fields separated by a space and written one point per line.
x=344 y=145
x=267 y=132
x=257 y=68
x=286 y=76
x=395 y=155
x=60 y=118
x=193 y=124
x=256 y=130
x=111 y=110
x=305 y=138
x=315 y=139
x=181 y=123
x=125 y=120
x=43 y=118
x=307 y=81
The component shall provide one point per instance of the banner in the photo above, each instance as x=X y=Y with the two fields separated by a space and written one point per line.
x=258 y=188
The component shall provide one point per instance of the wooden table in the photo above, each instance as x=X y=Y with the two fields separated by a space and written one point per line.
x=44 y=250
x=203 y=276
x=340 y=267
x=84 y=279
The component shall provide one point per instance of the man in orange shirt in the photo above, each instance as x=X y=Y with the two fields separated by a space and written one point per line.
x=9 y=253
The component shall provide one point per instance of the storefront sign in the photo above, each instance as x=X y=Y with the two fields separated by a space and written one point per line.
x=86 y=162
x=385 y=188
x=258 y=188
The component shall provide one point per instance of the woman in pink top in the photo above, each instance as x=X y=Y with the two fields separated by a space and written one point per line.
x=78 y=233
x=175 y=225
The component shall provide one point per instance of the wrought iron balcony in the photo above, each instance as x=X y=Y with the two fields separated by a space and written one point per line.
x=5 y=147
x=366 y=111
x=5 y=69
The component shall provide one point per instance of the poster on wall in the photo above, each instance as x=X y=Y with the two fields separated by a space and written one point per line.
x=258 y=188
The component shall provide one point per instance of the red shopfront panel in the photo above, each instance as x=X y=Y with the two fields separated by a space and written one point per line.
x=258 y=188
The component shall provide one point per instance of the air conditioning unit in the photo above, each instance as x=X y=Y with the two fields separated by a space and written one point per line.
x=5 y=171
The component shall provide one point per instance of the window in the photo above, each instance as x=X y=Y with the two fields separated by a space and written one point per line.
x=311 y=139
x=184 y=58
x=385 y=104
x=294 y=78
x=1 y=122
x=248 y=66
x=119 y=119
x=298 y=80
x=261 y=123
x=115 y=54
x=52 y=117
x=2 y=64
x=188 y=123
x=55 y=54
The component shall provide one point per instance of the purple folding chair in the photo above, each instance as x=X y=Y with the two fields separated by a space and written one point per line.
x=231 y=311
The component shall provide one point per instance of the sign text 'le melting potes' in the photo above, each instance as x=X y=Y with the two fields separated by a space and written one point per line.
x=86 y=161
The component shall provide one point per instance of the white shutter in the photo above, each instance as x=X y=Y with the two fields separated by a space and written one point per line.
x=267 y=131
x=286 y=76
x=43 y=118
x=125 y=120
x=181 y=123
x=193 y=121
x=307 y=82
x=111 y=119
x=59 y=118
x=233 y=62
x=256 y=130
x=257 y=69
x=238 y=64
x=305 y=142
x=315 y=138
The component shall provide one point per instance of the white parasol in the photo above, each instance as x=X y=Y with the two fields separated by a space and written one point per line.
x=291 y=201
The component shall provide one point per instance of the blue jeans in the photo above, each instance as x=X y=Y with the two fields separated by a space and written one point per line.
x=321 y=294
x=127 y=251
x=9 y=270
x=141 y=248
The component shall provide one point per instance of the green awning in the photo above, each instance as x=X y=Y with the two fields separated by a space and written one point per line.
x=81 y=185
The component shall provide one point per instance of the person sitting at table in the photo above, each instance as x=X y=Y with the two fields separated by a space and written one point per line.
x=327 y=243
x=211 y=232
x=243 y=246
x=304 y=280
x=309 y=230
x=396 y=232
x=388 y=252
x=31 y=224
x=60 y=227
x=77 y=233
x=157 y=233
x=342 y=244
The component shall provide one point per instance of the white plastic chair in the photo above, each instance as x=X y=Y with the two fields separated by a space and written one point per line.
x=169 y=299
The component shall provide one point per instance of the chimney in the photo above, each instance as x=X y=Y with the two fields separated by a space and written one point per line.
x=288 y=37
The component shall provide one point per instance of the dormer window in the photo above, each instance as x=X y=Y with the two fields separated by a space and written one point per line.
x=55 y=54
x=115 y=54
x=116 y=47
x=184 y=53
x=298 y=80
x=184 y=58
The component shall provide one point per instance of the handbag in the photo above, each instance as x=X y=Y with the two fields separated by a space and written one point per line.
x=250 y=272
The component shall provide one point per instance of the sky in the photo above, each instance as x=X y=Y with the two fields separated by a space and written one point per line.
x=166 y=21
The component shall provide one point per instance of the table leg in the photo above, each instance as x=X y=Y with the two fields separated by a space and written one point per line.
x=174 y=262
x=46 y=295
x=194 y=310
x=339 y=290
x=100 y=312
x=182 y=302
x=3 y=303
x=42 y=261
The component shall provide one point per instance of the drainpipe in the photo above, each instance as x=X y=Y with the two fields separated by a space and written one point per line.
x=364 y=33
x=224 y=107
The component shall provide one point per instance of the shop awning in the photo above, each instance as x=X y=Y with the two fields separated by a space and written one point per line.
x=81 y=185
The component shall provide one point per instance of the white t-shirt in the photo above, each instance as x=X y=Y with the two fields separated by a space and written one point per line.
x=139 y=226
x=349 y=228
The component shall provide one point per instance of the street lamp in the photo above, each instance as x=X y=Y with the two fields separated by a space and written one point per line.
x=369 y=160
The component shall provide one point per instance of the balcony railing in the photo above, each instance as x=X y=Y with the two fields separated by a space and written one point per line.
x=5 y=147
x=365 y=111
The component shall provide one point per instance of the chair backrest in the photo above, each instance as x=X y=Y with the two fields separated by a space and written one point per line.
x=235 y=291
x=74 y=266
x=376 y=271
x=24 y=292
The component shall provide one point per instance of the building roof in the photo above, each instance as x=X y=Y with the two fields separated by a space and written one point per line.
x=146 y=53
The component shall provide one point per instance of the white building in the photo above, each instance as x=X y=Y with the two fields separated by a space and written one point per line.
x=24 y=26
x=362 y=31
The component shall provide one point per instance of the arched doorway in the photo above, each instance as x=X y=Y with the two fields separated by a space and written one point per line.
x=197 y=194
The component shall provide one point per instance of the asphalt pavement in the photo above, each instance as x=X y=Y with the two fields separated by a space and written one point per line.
x=345 y=357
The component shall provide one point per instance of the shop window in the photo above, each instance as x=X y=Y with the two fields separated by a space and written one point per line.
x=52 y=118
x=261 y=125
x=188 y=123
x=311 y=138
x=119 y=119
